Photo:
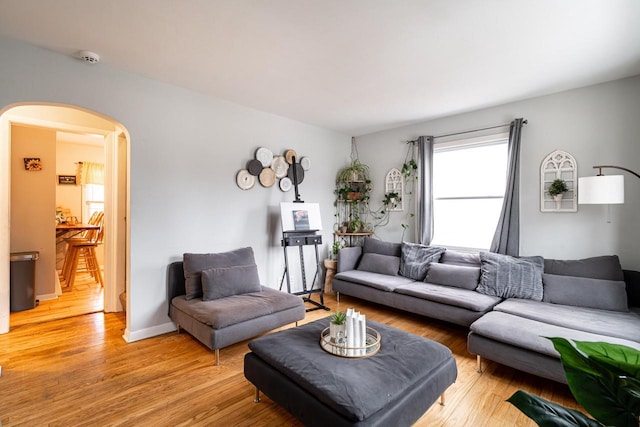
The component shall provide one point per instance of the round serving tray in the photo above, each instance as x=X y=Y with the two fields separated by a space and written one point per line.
x=372 y=346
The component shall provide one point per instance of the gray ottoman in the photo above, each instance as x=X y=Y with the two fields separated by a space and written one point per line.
x=395 y=387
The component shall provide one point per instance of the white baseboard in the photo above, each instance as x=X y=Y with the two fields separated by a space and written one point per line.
x=46 y=297
x=148 y=332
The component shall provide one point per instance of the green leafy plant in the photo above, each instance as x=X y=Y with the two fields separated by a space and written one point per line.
x=338 y=318
x=355 y=172
x=603 y=377
x=335 y=248
x=558 y=186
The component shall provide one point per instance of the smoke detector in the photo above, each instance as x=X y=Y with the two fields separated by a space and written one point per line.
x=89 y=57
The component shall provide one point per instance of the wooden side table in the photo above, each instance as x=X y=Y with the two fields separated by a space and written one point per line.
x=331 y=266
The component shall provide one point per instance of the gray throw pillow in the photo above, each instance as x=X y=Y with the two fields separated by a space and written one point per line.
x=508 y=277
x=226 y=281
x=381 y=247
x=459 y=276
x=585 y=292
x=601 y=267
x=382 y=264
x=415 y=259
x=460 y=258
x=194 y=264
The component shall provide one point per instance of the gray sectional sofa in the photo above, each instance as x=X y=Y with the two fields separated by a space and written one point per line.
x=509 y=304
x=219 y=300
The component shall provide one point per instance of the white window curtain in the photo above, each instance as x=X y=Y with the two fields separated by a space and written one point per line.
x=92 y=173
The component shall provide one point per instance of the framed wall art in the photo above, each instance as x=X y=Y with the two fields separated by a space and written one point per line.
x=32 y=164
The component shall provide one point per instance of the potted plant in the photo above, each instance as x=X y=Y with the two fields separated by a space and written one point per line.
x=603 y=377
x=335 y=248
x=557 y=188
x=355 y=172
x=391 y=200
x=338 y=327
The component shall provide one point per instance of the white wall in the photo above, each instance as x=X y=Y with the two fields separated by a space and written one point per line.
x=185 y=151
x=597 y=125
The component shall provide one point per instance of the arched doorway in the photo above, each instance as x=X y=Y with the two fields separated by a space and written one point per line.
x=69 y=118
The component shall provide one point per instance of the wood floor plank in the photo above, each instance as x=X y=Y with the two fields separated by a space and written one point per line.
x=79 y=371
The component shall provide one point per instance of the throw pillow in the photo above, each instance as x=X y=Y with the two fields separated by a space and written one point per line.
x=460 y=258
x=601 y=267
x=382 y=264
x=508 y=277
x=194 y=264
x=227 y=281
x=585 y=292
x=459 y=276
x=381 y=247
x=415 y=259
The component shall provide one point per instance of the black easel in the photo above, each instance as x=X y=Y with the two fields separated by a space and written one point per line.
x=301 y=239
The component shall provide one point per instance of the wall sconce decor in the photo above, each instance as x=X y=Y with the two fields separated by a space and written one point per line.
x=32 y=164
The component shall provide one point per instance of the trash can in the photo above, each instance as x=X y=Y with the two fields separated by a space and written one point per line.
x=23 y=280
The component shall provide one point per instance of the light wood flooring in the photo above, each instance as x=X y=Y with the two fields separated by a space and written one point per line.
x=79 y=371
x=85 y=297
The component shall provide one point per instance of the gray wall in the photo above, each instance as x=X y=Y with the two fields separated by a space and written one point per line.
x=185 y=151
x=597 y=125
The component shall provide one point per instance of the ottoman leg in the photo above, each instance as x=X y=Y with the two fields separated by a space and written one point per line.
x=257 y=398
x=479 y=364
x=442 y=399
x=217 y=353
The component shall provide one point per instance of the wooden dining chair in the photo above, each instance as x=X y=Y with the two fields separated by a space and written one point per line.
x=84 y=249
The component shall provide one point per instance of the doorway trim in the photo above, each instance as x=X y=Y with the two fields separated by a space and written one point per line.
x=114 y=267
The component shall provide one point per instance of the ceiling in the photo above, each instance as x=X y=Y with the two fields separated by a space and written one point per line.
x=354 y=66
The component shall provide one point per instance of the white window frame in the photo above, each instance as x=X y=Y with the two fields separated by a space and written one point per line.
x=457 y=144
x=88 y=202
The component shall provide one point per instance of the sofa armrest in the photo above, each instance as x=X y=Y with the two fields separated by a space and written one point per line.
x=348 y=258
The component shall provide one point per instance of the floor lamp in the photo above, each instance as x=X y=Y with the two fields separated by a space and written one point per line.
x=603 y=189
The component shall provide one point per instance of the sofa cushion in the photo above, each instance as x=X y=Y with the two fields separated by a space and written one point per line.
x=603 y=267
x=374 y=280
x=375 y=246
x=223 y=312
x=415 y=259
x=619 y=324
x=508 y=277
x=585 y=292
x=377 y=263
x=460 y=258
x=459 y=276
x=530 y=334
x=457 y=297
x=226 y=281
x=194 y=264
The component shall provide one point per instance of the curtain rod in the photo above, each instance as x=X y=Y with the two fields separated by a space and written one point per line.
x=476 y=130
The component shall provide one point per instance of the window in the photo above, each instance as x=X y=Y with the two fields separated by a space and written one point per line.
x=469 y=180
x=93 y=196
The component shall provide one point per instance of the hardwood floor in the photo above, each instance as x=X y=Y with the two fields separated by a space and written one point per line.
x=85 y=297
x=79 y=372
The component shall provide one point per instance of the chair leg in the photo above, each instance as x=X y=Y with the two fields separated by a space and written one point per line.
x=217 y=352
x=479 y=364
x=257 y=398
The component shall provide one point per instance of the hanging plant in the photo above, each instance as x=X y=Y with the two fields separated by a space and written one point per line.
x=558 y=186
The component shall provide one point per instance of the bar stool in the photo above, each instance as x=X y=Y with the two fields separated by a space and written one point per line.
x=84 y=248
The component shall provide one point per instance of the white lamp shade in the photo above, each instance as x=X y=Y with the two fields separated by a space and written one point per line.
x=601 y=190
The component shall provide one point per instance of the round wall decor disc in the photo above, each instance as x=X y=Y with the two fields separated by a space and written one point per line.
x=267 y=177
x=299 y=174
x=265 y=156
x=289 y=155
x=245 y=180
x=279 y=166
x=305 y=162
x=285 y=184
x=254 y=167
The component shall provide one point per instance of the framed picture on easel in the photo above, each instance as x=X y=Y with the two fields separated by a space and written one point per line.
x=300 y=216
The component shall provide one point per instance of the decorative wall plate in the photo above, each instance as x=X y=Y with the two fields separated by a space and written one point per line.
x=280 y=166
x=299 y=173
x=265 y=156
x=245 y=180
x=285 y=184
x=289 y=155
x=267 y=177
x=254 y=167
x=305 y=162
